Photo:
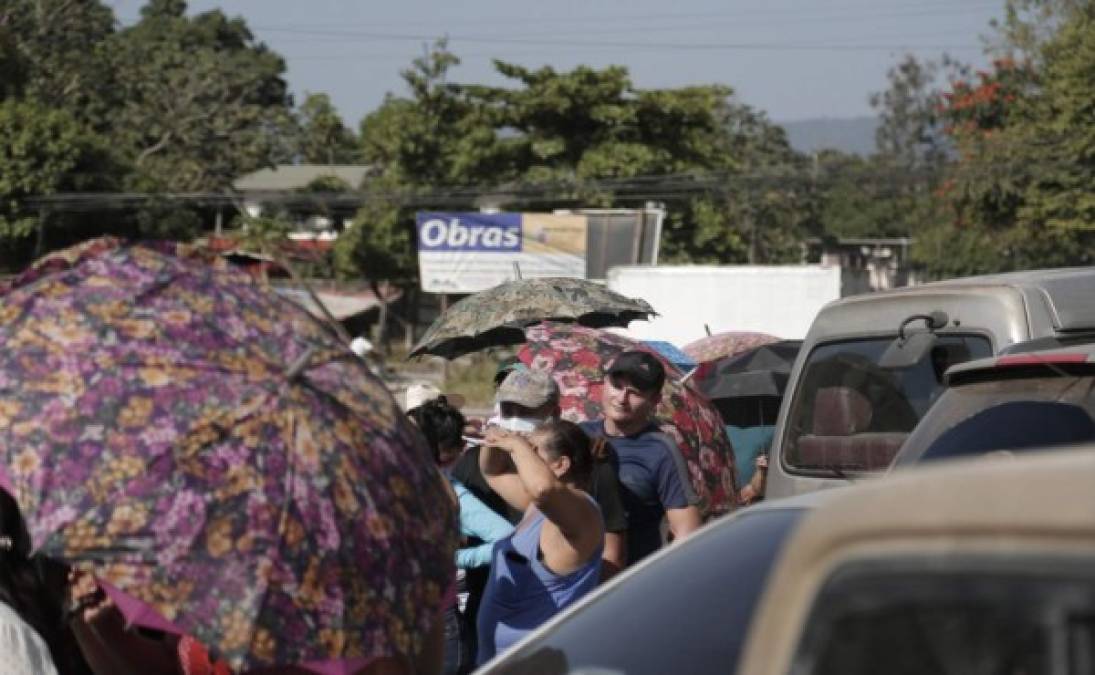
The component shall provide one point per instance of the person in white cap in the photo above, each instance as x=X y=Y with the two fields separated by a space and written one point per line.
x=421 y=392
x=361 y=346
x=364 y=349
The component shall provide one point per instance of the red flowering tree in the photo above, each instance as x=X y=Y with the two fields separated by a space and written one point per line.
x=1019 y=191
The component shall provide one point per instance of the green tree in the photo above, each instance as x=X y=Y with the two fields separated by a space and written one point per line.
x=909 y=134
x=769 y=206
x=380 y=246
x=202 y=101
x=1020 y=190
x=589 y=125
x=912 y=147
x=584 y=137
x=1060 y=135
x=42 y=151
x=852 y=201
x=1027 y=26
x=13 y=69
x=323 y=138
x=429 y=138
x=413 y=145
x=56 y=54
x=892 y=192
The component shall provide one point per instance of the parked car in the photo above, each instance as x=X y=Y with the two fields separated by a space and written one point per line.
x=1023 y=400
x=984 y=566
x=872 y=365
x=684 y=610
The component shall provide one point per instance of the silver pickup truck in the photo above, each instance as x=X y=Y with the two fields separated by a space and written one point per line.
x=871 y=365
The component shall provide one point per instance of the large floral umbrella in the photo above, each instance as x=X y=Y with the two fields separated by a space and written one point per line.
x=576 y=356
x=721 y=345
x=215 y=454
x=499 y=315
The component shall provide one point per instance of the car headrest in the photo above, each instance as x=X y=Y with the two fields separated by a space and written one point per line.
x=840 y=411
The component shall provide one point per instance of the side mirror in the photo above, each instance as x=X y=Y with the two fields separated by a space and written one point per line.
x=906 y=351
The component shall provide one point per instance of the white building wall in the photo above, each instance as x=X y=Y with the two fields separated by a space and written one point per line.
x=780 y=300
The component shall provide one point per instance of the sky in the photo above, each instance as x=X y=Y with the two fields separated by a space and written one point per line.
x=794 y=59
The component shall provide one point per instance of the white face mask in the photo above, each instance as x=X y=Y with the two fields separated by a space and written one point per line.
x=521 y=425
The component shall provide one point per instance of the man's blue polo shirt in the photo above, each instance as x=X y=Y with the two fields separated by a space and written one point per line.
x=650 y=483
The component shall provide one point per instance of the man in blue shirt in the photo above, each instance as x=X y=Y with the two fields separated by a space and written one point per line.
x=650 y=469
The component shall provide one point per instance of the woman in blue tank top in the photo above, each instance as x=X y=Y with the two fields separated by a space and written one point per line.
x=553 y=558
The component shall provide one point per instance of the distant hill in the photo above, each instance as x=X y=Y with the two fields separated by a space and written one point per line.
x=847 y=134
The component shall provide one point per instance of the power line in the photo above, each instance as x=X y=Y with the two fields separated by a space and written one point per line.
x=841 y=12
x=632 y=45
x=539 y=39
x=878 y=183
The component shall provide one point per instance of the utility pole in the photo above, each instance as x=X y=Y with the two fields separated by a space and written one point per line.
x=40 y=236
x=751 y=225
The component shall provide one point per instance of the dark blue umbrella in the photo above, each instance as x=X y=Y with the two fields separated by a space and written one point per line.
x=678 y=358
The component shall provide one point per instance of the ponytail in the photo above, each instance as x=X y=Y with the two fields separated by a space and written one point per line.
x=566 y=439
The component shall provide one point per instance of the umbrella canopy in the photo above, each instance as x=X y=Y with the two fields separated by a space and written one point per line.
x=213 y=452
x=672 y=353
x=576 y=355
x=761 y=371
x=721 y=345
x=498 y=316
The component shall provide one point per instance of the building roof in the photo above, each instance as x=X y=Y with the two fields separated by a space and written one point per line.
x=297 y=176
x=341 y=305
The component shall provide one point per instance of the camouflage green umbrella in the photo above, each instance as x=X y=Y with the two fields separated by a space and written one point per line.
x=499 y=315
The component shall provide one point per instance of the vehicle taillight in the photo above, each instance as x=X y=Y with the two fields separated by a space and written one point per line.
x=1039 y=359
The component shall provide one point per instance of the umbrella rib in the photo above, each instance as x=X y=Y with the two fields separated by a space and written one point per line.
x=283 y=519
x=301 y=363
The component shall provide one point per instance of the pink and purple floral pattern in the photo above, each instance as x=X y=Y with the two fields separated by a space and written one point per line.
x=576 y=356
x=721 y=345
x=210 y=449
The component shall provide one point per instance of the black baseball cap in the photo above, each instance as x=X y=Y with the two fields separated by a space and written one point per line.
x=641 y=368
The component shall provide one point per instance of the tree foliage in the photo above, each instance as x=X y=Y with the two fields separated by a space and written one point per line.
x=54 y=52
x=202 y=102
x=987 y=171
x=1021 y=188
x=171 y=104
x=584 y=137
x=322 y=137
x=39 y=150
x=43 y=151
x=908 y=133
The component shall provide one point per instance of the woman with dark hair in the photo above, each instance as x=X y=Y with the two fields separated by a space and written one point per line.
x=553 y=558
x=38 y=636
x=32 y=638
x=442 y=426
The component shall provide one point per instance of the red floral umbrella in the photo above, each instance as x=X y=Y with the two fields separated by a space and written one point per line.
x=575 y=356
x=721 y=345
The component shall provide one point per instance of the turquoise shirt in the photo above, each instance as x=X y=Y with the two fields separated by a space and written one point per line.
x=749 y=442
x=477 y=520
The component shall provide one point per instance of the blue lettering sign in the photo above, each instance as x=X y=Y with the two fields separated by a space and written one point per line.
x=482 y=232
